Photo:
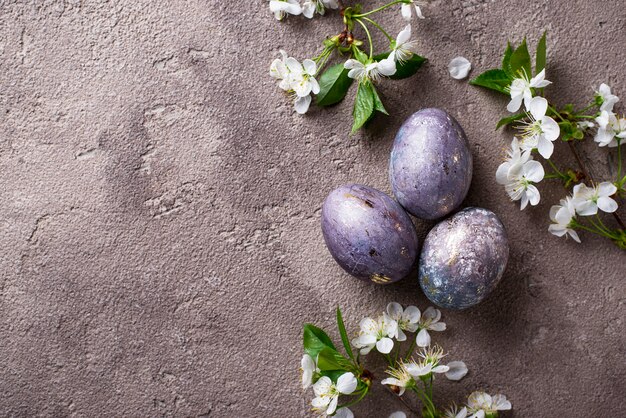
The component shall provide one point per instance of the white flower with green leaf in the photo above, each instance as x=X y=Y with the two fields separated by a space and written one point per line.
x=282 y=8
x=521 y=90
x=429 y=321
x=376 y=333
x=327 y=393
x=587 y=200
x=542 y=130
x=480 y=404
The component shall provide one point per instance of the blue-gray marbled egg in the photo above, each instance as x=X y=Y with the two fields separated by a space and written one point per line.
x=369 y=234
x=463 y=258
x=431 y=164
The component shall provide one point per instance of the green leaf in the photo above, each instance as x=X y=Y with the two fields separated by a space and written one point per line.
x=315 y=340
x=378 y=104
x=405 y=69
x=408 y=67
x=344 y=334
x=540 y=60
x=506 y=60
x=334 y=85
x=496 y=79
x=510 y=119
x=330 y=359
x=358 y=54
x=363 y=106
x=520 y=60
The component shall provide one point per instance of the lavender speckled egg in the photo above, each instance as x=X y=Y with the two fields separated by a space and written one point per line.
x=463 y=258
x=369 y=234
x=431 y=164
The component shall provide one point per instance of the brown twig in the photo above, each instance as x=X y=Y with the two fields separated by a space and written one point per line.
x=583 y=168
x=404 y=402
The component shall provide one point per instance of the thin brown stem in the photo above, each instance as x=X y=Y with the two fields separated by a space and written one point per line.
x=583 y=168
x=401 y=399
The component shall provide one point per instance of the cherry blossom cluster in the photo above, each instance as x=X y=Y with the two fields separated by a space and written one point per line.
x=539 y=124
x=366 y=67
x=334 y=376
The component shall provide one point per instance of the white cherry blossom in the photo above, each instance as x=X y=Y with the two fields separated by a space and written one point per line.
x=562 y=216
x=407 y=9
x=372 y=71
x=407 y=319
x=520 y=90
x=481 y=403
x=610 y=129
x=327 y=393
x=429 y=321
x=376 y=333
x=605 y=98
x=400 y=378
x=519 y=174
x=542 y=130
x=282 y=8
x=404 y=47
x=587 y=200
x=302 y=81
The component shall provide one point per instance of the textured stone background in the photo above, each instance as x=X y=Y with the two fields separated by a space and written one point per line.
x=160 y=243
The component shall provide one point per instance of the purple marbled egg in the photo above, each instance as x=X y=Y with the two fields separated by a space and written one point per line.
x=431 y=164
x=463 y=258
x=369 y=234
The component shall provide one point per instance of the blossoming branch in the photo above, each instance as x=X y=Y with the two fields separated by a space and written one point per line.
x=539 y=124
x=302 y=79
x=336 y=377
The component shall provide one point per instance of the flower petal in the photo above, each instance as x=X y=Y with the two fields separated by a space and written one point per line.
x=398 y=414
x=533 y=171
x=457 y=370
x=302 y=104
x=606 y=204
x=406 y=11
x=459 y=68
x=501 y=403
x=538 y=107
x=394 y=310
x=344 y=413
x=385 y=345
x=309 y=66
x=412 y=313
x=332 y=406
x=606 y=189
x=403 y=36
x=422 y=339
x=515 y=103
x=346 y=383
x=545 y=147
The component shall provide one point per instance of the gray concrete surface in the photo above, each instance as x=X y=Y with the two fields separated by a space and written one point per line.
x=160 y=243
